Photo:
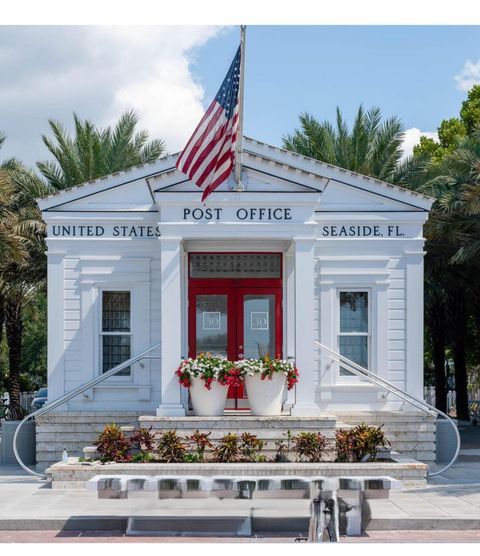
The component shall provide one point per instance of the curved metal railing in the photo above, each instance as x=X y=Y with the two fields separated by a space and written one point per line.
x=72 y=394
x=360 y=371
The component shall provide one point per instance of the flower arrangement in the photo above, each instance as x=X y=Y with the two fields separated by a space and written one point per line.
x=208 y=368
x=267 y=367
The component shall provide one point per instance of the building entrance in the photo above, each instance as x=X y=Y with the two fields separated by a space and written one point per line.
x=235 y=308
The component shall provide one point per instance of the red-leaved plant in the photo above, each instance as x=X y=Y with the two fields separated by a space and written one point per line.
x=200 y=442
x=112 y=444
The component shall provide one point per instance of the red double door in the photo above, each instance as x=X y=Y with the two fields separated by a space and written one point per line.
x=235 y=319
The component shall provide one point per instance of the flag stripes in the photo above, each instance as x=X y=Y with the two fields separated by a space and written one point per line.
x=209 y=156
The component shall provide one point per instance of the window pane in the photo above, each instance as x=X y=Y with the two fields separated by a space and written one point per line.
x=116 y=349
x=235 y=265
x=354 y=348
x=116 y=311
x=259 y=326
x=353 y=311
x=211 y=316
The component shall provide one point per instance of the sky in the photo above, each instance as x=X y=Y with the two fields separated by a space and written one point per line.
x=169 y=75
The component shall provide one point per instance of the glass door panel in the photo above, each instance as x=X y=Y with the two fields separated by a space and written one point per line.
x=235 y=323
x=211 y=316
x=259 y=326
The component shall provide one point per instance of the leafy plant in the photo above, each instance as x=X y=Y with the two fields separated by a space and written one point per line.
x=359 y=443
x=143 y=440
x=309 y=446
x=284 y=445
x=250 y=447
x=192 y=458
x=228 y=449
x=201 y=442
x=112 y=444
x=170 y=447
x=143 y=457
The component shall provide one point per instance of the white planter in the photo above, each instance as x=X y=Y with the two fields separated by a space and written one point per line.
x=207 y=403
x=265 y=397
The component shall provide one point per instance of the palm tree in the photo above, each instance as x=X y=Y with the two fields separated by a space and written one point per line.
x=22 y=273
x=93 y=153
x=453 y=241
x=90 y=154
x=371 y=147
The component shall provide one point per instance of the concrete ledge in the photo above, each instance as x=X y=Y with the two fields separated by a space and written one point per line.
x=74 y=474
x=424 y=524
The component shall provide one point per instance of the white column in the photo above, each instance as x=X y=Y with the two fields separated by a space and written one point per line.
x=304 y=327
x=289 y=310
x=414 y=326
x=171 y=325
x=55 y=298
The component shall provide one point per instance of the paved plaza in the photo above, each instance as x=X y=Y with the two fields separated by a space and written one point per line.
x=447 y=509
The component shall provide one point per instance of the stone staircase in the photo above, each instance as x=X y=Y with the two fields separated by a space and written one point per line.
x=73 y=431
x=411 y=434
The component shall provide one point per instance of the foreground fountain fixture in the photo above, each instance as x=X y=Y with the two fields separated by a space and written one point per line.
x=337 y=505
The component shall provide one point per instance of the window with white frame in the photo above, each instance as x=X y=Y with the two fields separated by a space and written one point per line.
x=354 y=329
x=116 y=336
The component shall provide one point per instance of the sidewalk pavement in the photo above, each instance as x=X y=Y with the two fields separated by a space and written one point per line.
x=119 y=537
x=448 y=502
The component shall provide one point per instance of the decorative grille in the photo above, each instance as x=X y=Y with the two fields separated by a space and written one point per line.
x=235 y=265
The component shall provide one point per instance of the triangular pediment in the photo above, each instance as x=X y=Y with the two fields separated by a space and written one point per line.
x=266 y=169
x=130 y=197
x=341 y=197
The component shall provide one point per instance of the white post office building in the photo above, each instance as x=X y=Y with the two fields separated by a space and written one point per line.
x=307 y=253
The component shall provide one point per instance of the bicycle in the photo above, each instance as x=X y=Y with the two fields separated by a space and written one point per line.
x=11 y=412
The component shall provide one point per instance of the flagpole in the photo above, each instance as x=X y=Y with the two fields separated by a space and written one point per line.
x=238 y=144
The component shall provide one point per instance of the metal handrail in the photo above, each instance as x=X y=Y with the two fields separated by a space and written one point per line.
x=422 y=405
x=72 y=394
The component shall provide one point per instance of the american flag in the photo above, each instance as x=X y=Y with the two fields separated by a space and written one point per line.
x=209 y=155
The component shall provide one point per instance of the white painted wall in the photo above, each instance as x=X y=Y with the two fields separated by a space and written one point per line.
x=80 y=270
x=317 y=264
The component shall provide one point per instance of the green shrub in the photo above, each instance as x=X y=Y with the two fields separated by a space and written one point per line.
x=359 y=443
x=284 y=445
x=112 y=444
x=309 y=446
x=201 y=442
x=170 y=447
x=228 y=449
x=250 y=447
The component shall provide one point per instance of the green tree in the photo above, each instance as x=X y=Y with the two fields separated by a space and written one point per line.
x=453 y=234
x=370 y=147
x=470 y=111
x=21 y=277
x=453 y=130
x=92 y=152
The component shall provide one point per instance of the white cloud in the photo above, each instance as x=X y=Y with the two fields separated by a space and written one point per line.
x=469 y=76
x=412 y=138
x=99 y=71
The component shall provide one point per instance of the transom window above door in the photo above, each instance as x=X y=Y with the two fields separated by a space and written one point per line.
x=235 y=265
